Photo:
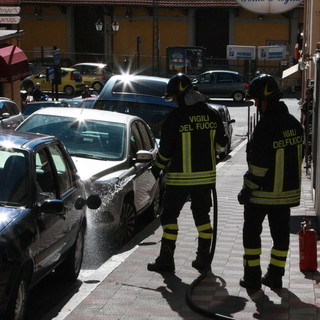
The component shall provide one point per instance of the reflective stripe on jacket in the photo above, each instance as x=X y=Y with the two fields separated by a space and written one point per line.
x=189 y=138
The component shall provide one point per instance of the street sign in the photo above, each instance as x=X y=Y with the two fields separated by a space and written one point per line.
x=271 y=52
x=241 y=52
x=9 y=20
x=57 y=57
x=50 y=73
x=9 y=10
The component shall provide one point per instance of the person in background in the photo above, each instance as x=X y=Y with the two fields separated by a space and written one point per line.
x=86 y=92
x=271 y=186
x=37 y=94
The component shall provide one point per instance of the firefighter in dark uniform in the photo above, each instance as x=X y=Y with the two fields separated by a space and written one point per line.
x=189 y=138
x=272 y=183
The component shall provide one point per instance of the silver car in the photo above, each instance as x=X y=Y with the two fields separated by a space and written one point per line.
x=113 y=153
x=221 y=84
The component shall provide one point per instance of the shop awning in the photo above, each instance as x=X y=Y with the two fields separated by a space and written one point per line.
x=292 y=76
x=13 y=63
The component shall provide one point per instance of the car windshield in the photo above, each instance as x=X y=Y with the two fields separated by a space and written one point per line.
x=83 y=138
x=140 y=86
x=14 y=177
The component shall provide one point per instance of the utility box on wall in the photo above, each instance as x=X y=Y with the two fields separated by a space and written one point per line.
x=188 y=60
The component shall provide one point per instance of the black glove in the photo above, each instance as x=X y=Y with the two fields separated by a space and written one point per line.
x=244 y=195
x=156 y=172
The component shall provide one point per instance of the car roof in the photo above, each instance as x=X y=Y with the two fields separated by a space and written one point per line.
x=91 y=114
x=5 y=99
x=225 y=71
x=97 y=64
x=22 y=140
x=43 y=102
x=132 y=77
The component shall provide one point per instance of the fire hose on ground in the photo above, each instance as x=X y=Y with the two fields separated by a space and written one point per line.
x=189 y=300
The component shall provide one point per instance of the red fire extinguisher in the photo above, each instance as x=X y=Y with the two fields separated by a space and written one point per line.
x=307 y=247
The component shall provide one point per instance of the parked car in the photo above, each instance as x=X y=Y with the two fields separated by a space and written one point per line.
x=42 y=216
x=221 y=84
x=95 y=75
x=31 y=107
x=137 y=95
x=113 y=153
x=227 y=122
x=79 y=102
x=72 y=103
x=10 y=115
x=71 y=81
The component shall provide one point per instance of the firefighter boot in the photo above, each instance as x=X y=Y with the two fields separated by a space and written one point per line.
x=251 y=278
x=273 y=277
x=203 y=260
x=165 y=261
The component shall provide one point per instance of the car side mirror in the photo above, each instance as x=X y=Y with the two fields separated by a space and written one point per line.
x=93 y=202
x=231 y=121
x=144 y=156
x=52 y=206
x=5 y=115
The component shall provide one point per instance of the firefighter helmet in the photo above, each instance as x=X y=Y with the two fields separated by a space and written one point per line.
x=178 y=85
x=264 y=87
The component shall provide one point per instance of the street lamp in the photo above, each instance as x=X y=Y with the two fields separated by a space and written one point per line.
x=115 y=26
x=99 y=25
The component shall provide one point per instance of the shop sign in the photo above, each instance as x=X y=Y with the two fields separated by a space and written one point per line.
x=9 y=19
x=269 y=6
x=9 y=10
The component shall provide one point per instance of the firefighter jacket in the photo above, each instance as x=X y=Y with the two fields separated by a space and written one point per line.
x=189 y=138
x=274 y=156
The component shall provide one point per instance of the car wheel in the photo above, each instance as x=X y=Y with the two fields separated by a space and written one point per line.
x=97 y=86
x=124 y=231
x=69 y=270
x=238 y=96
x=18 y=301
x=68 y=90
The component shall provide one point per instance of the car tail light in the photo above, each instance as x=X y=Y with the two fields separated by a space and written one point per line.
x=72 y=76
x=246 y=85
x=104 y=77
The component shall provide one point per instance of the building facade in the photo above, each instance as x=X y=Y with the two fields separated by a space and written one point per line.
x=148 y=27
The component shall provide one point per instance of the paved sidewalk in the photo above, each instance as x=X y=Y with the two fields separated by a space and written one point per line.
x=131 y=292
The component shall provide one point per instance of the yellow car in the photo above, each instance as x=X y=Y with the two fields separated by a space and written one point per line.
x=71 y=81
x=95 y=75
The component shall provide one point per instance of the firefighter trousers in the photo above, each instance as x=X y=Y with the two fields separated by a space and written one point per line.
x=173 y=201
x=279 y=223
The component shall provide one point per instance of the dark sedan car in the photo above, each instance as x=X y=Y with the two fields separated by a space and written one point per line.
x=221 y=84
x=42 y=216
